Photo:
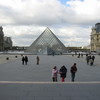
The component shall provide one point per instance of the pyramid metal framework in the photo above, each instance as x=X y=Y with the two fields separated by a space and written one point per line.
x=47 y=43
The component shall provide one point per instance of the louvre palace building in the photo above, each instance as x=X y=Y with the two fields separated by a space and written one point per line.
x=5 y=42
x=95 y=38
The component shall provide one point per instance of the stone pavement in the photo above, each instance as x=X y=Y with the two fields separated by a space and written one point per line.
x=3 y=58
x=34 y=82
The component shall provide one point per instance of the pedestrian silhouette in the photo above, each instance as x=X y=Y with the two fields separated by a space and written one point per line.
x=23 y=59
x=91 y=62
x=87 y=59
x=63 y=72
x=73 y=70
x=26 y=60
x=38 y=59
x=93 y=57
x=54 y=74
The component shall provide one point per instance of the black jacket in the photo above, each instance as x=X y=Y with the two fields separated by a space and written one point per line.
x=73 y=69
x=63 y=71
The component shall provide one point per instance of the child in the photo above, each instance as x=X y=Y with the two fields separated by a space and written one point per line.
x=54 y=74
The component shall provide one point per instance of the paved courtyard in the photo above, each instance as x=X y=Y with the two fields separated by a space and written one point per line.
x=34 y=82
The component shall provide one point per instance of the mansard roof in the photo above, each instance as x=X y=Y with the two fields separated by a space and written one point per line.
x=97 y=27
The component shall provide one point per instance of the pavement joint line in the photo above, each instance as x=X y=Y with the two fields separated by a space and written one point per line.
x=32 y=82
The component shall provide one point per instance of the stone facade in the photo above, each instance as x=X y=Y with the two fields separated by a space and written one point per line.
x=95 y=38
x=5 y=42
x=1 y=39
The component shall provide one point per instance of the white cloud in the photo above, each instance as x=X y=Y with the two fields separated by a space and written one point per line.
x=32 y=11
x=22 y=35
x=25 y=35
x=74 y=35
x=49 y=12
x=72 y=22
x=85 y=11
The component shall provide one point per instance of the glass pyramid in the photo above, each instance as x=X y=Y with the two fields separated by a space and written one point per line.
x=47 y=43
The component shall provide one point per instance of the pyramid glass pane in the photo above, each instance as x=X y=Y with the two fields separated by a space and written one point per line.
x=47 y=42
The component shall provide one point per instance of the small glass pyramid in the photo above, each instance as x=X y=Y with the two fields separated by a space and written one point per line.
x=47 y=43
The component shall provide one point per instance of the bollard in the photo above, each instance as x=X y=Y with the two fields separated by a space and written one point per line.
x=15 y=56
x=7 y=58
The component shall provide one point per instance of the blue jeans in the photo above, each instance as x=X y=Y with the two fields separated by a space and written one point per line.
x=73 y=76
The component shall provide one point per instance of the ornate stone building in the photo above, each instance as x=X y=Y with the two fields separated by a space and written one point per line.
x=95 y=38
x=5 y=42
x=1 y=39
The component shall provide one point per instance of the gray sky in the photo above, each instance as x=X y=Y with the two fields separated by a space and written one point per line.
x=70 y=20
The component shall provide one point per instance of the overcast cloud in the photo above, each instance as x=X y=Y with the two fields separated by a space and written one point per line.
x=70 y=20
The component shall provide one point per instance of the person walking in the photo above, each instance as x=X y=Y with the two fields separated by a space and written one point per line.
x=26 y=60
x=63 y=72
x=81 y=55
x=87 y=59
x=54 y=74
x=23 y=59
x=38 y=59
x=91 y=62
x=93 y=57
x=73 y=70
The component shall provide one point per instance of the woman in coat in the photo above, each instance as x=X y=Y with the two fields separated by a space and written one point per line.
x=63 y=72
x=54 y=74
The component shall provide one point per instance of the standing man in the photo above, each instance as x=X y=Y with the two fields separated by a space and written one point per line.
x=38 y=59
x=87 y=59
x=91 y=62
x=73 y=70
x=93 y=57
x=23 y=59
x=26 y=60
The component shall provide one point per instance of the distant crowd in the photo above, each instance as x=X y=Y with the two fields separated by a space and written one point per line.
x=89 y=58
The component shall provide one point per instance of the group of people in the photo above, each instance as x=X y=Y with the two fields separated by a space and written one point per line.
x=90 y=59
x=25 y=60
x=63 y=73
x=80 y=55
